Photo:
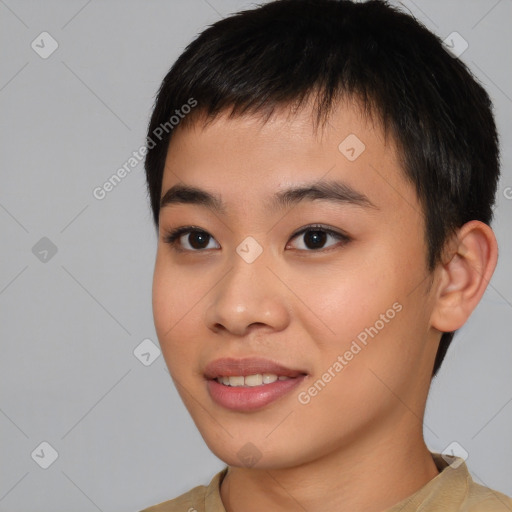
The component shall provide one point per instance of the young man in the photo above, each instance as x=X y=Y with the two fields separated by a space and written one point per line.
x=322 y=175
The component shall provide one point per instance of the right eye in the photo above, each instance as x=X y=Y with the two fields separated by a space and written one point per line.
x=188 y=238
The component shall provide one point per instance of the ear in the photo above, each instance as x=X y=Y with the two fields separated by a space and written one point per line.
x=470 y=261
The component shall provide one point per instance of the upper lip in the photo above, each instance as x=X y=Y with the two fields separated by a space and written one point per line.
x=228 y=367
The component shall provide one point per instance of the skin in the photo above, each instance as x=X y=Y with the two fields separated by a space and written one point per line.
x=355 y=440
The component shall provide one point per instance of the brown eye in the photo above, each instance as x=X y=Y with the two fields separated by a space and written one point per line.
x=190 y=239
x=315 y=238
x=197 y=239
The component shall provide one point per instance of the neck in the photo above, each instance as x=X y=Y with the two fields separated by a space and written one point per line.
x=368 y=476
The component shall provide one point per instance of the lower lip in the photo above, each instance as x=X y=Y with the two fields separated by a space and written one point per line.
x=250 y=398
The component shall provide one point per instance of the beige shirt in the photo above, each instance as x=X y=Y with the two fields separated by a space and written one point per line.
x=451 y=490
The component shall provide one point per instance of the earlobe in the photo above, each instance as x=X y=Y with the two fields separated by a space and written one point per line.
x=472 y=256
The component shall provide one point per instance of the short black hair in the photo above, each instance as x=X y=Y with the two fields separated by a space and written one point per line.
x=287 y=51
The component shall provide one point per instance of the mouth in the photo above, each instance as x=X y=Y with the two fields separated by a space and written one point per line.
x=257 y=379
x=249 y=384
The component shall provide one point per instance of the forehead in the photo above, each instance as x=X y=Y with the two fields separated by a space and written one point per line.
x=247 y=158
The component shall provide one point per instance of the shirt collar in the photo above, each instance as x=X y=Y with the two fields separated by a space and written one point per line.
x=452 y=481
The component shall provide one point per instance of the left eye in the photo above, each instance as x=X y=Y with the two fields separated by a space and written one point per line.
x=315 y=238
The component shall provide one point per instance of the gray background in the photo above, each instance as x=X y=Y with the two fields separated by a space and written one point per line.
x=69 y=324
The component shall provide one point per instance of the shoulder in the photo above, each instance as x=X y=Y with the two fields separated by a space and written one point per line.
x=484 y=499
x=454 y=490
x=198 y=499
x=190 y=501
x=455 y=486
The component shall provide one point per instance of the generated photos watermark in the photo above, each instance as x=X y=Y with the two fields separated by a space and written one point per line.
x=357 y=345
x=100 y=192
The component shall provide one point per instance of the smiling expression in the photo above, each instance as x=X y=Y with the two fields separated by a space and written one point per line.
x=277 y=250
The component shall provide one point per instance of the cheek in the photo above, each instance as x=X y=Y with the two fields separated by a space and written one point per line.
x=176 y=293
x=176 y=299
x=364 y=309
x=340 y=300
x=165 y=290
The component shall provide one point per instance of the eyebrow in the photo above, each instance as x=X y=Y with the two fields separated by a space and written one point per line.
x=334 y=191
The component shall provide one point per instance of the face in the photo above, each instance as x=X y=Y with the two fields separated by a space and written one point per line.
x=291 y=297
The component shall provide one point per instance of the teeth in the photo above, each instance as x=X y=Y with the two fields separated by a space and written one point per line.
x=268 y=378
x=254 y=380
x=251 y=380
x=236 y=381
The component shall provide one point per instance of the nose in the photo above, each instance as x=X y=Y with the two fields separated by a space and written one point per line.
x=249 y=297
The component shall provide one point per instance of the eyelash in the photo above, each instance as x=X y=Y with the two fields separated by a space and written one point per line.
x=172 y=237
